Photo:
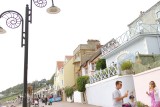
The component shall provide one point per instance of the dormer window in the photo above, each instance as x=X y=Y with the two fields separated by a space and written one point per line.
x=139 y=27
x=158 y=14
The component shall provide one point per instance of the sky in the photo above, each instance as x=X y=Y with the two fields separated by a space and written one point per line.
x=52 y=36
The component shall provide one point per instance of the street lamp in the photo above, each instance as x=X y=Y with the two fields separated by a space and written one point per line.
x=33 y=91
x=2 y=30
x=13 y=20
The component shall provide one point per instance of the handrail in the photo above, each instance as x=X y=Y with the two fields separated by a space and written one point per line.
x=128 y=35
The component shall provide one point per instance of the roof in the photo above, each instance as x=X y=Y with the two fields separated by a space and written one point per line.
x=60 y=64
x=95 y=55
x=144 y=13
x=68 y=57
x=92 y=57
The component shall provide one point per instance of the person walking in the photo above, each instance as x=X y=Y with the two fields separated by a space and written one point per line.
x=154 y=94
x=46 y=100
x=116 y=95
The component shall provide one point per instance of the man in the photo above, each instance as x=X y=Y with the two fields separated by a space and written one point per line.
x=116 y=95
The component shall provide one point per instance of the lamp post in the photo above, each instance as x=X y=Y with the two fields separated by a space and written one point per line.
x=13 y=20
x=33 y=92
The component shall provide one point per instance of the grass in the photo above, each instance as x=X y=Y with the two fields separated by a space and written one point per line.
x=8 y=98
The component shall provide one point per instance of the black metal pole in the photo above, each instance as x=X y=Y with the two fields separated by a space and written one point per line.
x=26 y=56
x=33 y=92
x=52 y=3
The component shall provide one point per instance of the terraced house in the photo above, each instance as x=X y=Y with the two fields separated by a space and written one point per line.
x=83 y=52
x=58 y=78
x=64 y=76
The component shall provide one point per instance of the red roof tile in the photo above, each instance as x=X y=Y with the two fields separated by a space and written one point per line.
x=60 y=64
x=68 y=57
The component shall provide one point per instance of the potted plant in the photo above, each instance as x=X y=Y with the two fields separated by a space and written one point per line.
x=69 y=93
x=126 y=67
x=140 y=104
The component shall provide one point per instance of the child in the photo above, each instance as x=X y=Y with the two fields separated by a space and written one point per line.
x=132 y=102
x=153 y=93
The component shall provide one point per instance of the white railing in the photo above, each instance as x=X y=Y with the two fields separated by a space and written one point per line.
x=103 y=74
x=128 y=35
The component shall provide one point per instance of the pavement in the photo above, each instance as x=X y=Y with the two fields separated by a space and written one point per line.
x=57 y=104
x=64 y=104
x=67 y=104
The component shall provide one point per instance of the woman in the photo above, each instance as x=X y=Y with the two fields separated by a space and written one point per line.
x=153 y=93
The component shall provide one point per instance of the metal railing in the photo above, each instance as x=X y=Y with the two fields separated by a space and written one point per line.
x=103 y=74
x=128 y=35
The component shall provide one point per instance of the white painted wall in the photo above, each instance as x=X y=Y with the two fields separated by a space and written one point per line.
x=89 y=70
x=83 y=72
x=142 y=83
x=100 y=93
x=153 y=44
x=78 y=97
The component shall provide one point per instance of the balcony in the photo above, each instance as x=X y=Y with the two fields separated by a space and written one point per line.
x=77 y=60
x=141 y=30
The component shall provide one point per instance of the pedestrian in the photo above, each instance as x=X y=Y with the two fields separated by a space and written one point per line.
x=154 y=94
x=116 y=95
x=46 y=100
x=132 y=101
x=50 y=99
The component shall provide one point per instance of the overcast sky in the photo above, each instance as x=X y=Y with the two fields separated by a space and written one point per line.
x=51 y=37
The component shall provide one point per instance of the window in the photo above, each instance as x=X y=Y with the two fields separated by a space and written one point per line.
x=158 y=14
x=139 y=27
x=93 y=66
x=62 y=70
x=86 y=71
x=62 y=82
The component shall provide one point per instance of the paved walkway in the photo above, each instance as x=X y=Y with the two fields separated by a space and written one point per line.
x=60 y=104
x=66 y=104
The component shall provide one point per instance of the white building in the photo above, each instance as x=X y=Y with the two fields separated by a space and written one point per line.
x=142 y=37
x=89 y=65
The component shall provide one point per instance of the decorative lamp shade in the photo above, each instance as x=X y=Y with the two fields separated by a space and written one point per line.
x=53 y=10
x=2 y=31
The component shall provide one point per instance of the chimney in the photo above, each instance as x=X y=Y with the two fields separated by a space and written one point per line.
x=94 y=43
x=91 y=41
x=141 y=13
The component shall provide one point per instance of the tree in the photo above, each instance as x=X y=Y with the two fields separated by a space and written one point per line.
x=101 y=64
x=81 y=82
x=51 y=81
x=69 y=91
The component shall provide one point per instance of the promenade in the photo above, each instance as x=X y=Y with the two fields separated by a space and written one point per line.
x=62 y=104
x=66 y=104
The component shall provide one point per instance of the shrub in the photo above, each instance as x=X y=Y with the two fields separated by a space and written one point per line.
x=101 y=64
x=69 y=91
x=81 y=82
x=140 y=104
x=126 y=65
